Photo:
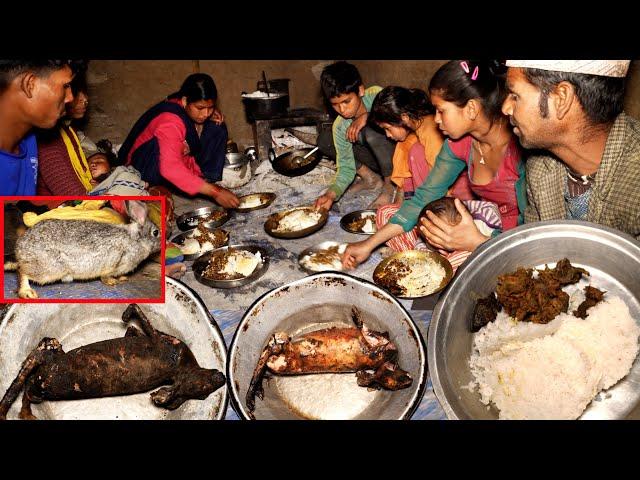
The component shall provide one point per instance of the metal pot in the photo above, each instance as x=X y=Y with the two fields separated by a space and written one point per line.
x=613 y=261
x=290 y=163
x=320 y=301
x=267 y=107
x=183 y=314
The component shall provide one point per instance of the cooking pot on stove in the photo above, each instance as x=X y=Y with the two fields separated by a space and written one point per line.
x=264 y=108
x=291 y=164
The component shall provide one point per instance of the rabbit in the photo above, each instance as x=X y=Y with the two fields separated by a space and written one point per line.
x=68 y=250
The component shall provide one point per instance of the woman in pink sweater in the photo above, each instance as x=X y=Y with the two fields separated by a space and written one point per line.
x=181 y=142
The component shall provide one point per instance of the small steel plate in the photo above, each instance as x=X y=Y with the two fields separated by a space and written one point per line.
x=266 y=199
x=181 y=237
x=272 y=223
x=190 y=220
x=357 y=215
x=380 y=270
x=201 y=263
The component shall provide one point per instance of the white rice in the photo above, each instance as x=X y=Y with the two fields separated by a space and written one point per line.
x=298 y=220
x=553 y=371
x=424 y=277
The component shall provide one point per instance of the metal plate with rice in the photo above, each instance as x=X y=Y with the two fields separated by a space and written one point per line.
x=201 y=264
x=320 y=248
x=265 y=199
x=613 y=261
x=182 y=237
x=349 y=218
x=190 y=220
x=384 y=269
x=274 y=219
x=183 y=315
x=316 y=302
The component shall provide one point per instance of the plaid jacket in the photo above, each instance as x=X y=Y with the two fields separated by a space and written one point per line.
x=615 y=196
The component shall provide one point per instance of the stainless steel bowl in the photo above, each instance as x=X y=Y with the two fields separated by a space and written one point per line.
x=318 y=248
x=181 y=237
x=272 y=223
x=201 y=263
x=611 y=257
x=419 y=255
x=266 y=199
x=190 y=220
x=357 y=215
x=320 y=301
x=183 y=315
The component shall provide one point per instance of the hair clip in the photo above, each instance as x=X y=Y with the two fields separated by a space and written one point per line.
x=465 y=66
x=474 y=75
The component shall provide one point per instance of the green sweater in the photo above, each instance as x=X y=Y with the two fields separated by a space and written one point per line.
x=345 y=161
x=445 y=171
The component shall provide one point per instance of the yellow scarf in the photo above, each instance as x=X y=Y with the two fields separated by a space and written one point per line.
x=87 y=210
x=79 y=163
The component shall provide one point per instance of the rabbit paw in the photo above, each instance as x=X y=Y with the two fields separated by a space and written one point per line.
x=111 y=281
x=27 y=293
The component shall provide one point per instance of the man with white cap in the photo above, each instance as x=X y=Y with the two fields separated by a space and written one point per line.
x=573 y=110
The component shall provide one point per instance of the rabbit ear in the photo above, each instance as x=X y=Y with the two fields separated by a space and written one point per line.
x=137 y=211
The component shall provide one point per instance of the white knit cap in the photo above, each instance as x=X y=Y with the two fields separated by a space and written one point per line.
x=605 y=68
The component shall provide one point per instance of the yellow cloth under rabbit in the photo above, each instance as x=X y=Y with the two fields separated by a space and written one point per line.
x=87 y=210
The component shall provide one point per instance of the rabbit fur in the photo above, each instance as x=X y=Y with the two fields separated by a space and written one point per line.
x=68 y=250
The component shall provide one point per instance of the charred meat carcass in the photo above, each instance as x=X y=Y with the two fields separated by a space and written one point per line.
x=370 y=354
x=138 y=362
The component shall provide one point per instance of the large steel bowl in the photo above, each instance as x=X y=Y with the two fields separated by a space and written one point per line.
x=183 y=315
x=611 y=257
x=312 y=303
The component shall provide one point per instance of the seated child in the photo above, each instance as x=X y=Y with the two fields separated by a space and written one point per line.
x=486 y=216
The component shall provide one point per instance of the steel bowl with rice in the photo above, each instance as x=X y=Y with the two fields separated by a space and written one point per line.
x=613 y=261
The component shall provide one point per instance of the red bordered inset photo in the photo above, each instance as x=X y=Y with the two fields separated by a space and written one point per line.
x=87 y=249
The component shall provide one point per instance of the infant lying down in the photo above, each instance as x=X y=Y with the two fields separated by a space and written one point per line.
x=486 y=216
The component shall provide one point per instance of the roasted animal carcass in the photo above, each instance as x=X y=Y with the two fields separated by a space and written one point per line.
x=332 y=350
x=135 y=363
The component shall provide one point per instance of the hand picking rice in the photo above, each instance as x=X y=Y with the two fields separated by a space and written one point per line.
x=553 y=371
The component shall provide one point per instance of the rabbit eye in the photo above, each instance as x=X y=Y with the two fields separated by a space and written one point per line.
x=155 y=232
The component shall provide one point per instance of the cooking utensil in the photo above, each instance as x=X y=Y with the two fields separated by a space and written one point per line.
x=285 y=163
x=315 y=302
x=272 y=223
x=298 y=160
x=266 y=84
x=183 y=315
x=266 y=199
x=357 y=215
x=319 y=248
x=181 y=237
x=412 y=255
x=189 y=220
x=201 y=263
x=613 y=261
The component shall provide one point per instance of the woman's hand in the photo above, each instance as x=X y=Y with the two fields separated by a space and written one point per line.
x=217 y=117
x=325 y=201
x=355 y=254
x=463 y=236
x=355 y=127
x=225 y=198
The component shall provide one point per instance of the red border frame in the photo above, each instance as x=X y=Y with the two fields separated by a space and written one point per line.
x=41 y=198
